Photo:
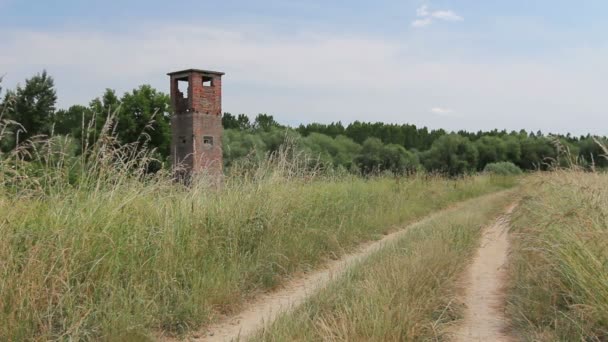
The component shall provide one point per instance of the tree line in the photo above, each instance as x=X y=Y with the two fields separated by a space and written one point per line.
x=143 y=115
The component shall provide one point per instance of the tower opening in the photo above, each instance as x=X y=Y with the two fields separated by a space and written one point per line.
x=207 y=141
x=183 y=86
x=207 y=81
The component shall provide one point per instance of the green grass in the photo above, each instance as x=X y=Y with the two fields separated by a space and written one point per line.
x=113 y=256
x=401 y=293
x=93 y=247
x=559 y=274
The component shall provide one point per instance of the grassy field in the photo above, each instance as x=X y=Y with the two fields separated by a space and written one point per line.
x=559 y=274
x=403 y=292
x=120 y=256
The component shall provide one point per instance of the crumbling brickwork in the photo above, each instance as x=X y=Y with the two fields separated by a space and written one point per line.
x=196 y=145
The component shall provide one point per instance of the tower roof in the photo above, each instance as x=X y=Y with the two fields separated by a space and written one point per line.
x=195 y=71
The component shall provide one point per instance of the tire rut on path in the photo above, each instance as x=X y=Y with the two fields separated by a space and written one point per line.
x=265 y=308
x=484 y=318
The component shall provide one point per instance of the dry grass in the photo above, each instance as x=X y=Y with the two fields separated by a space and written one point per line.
x=559 y=288
x=402 y=293
x=92 y=249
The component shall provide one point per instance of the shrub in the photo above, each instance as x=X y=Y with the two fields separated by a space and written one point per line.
x=502 y=168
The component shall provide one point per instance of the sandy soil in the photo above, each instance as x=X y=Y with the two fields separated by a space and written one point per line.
x=484 y=288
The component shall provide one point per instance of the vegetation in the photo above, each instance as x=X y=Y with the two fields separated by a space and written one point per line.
x=402 y=292
x=117 y=255
x=359 y=147
x=32 y=107
x=559 y=285
x=99 y=242
x=96 y=247
x=502 y=168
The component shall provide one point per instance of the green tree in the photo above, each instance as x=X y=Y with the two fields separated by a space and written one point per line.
x=240 y=122
x=230 y=121
x=264 y=122
x=536 y=153
x=93 y=119
x=107 y=105
x=376 y=157
x=338 y=151
x=370 y=158
x=512 y=148
x=240 y=143
x=591 y=153
x=398 y=160
x=346 y=151
x=243 y=121
x=491 y=149
x=34 y=105
x=70 y=121
x=452 y=154
x=275 y=137
x=358 y=131
x=145 y=111
x=566 y=150
x=321 y=146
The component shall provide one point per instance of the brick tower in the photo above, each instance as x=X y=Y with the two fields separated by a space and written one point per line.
x=196 y=125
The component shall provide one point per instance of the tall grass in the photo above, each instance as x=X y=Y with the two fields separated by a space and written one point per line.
x=559 y=286
x=93 y=247
x=402 y=292
x=136 y=257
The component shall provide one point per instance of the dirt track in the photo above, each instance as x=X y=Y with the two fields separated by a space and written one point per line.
x=267 y=307
x=484 y=298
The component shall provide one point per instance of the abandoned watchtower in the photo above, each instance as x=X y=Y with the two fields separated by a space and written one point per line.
x=196 y=125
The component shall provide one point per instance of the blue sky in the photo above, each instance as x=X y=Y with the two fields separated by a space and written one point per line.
x=460 y=64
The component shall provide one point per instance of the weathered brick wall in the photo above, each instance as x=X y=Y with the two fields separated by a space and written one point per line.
x=181 y=140
x=206 y=100
x=179 y=102
x=208 y=157
x=196 y=118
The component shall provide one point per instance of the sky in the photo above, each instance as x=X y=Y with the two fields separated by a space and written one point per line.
x=452 y=64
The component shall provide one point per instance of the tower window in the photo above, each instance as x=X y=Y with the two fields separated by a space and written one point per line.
x=182 y=87
x=207 y=141
x=207 y=81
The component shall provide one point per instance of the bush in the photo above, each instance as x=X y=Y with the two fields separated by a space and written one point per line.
x=503 y=169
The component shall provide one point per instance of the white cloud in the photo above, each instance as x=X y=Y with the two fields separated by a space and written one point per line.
x=441 y=111
x=422 y=11
x=422 y=22
x=447 y=15
x=426 y=17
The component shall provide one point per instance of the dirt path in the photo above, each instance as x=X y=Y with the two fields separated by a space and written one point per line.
x=484 y=298
x=267 y=307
